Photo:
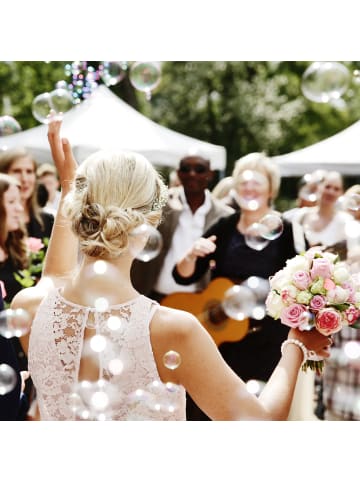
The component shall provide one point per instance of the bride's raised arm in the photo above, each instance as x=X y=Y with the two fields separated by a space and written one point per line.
x=62 y=253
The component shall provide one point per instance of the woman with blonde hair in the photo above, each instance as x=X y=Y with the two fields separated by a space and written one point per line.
x=160 y=352
x=227 y=252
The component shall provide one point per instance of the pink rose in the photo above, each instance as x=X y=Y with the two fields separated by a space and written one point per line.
x=351 y=315
x=317 y=302
x=293 y=315
x=329 y=284
x=287 y=296
x=328 y=321
x=34 y=244
x=321 y=267
x=301 y=280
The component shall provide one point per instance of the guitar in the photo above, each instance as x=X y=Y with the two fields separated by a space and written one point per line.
x=207 y=308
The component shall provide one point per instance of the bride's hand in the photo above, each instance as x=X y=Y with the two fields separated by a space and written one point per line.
x=61 y=152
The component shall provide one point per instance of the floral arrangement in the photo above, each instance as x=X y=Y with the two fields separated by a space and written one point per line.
x=30 y=276
x=315 y=290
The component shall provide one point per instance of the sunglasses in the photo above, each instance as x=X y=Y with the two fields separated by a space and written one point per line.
x=198 y=169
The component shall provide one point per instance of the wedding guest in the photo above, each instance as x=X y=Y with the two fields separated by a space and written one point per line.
x=19 y=163
x=190 y=210
x=224 y=251
x=324 y=224
x=14 y=256
x=112 y=193
x=14 y=403
x=13 y=247
x=47 y=175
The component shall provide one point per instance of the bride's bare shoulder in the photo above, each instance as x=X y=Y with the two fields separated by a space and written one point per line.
x=174 y=322
x=30 y=298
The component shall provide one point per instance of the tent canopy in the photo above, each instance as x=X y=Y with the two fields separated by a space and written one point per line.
x=340 y=152
x=104 y=121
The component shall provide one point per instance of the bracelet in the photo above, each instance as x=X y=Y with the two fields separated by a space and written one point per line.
x=298 y=343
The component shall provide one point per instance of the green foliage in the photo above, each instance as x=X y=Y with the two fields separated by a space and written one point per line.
x=21 y=82
x=245 y=106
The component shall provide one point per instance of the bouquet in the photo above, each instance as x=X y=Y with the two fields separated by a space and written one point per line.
x=36 y=250
x=315 y=290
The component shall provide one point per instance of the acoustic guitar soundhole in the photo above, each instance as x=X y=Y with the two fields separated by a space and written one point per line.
x=214 y=313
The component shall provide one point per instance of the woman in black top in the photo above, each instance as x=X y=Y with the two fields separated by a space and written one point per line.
x=223 y=249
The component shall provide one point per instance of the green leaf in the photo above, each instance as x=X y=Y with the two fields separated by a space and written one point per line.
x=341 y=306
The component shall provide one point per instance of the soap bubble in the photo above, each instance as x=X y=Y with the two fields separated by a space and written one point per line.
x=172 y=359
x=145 y=76
x=8 y=125
x=58 y=101
x=41 y=107
x=239 y=302
x=260 y=288
x=112 y=73
x=325 y=81
x=145 y=242
x=255 y=236
x=8 y=379
x=350 y=202
x=273 y=226
x=14 y=322
x=61 y=100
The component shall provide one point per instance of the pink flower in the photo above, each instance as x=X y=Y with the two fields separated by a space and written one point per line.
x=317 y=302
x=34 y=244
x=328 y=321
x=301 y=279
x=352 y=314
x=321 y=267
x=287 y=296
x=329 y=284
x=293 y=315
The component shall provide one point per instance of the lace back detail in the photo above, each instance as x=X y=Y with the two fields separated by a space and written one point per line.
x=129 y=386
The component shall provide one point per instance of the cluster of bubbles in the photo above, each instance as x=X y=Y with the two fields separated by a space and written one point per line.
x=8 y=125
x=58 y=101
x=83 y=79
x=100 y=399
x=13 y=323
x=327 y=82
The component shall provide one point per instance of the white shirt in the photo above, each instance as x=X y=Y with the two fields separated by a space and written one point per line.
x=190 y=228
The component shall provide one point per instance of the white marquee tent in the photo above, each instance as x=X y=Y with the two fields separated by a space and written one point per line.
x=105 y=121
x=340 y=152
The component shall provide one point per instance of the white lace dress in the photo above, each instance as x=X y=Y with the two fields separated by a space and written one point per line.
x=129 y=386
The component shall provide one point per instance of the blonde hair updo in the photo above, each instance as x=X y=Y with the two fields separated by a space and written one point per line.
x=114 y=192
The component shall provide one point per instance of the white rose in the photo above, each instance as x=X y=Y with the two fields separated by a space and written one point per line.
x=338 y=295
x=280 y=280
x=340 y=274
x=330 y=256
x=274 y=305
x=298 y=263
x=357 y=298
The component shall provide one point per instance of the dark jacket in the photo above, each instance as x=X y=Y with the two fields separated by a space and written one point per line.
x=144 y=275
